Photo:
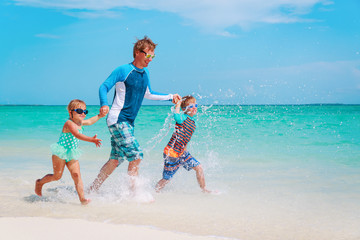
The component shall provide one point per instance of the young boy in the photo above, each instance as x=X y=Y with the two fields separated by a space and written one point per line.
x=175 y=154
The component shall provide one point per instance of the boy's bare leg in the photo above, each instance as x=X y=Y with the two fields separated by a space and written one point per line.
x=74 y=168
x=58 y=168
x=133 y=171
x=200 y=178
x=161 y=184
x=105 y=172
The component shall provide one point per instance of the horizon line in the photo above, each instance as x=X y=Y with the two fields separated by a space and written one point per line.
x=260 y=104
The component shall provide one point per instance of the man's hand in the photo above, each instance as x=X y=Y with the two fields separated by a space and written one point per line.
x=176 y=98
x=104 y=110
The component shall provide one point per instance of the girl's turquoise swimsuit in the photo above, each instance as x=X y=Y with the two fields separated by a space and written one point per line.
x=66 y=147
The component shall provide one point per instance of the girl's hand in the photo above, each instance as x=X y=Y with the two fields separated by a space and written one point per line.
x=96 y=140
x=101 y=115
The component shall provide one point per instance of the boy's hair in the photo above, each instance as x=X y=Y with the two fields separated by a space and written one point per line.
x=185 y=101
x=141 y=44
x=74 y=104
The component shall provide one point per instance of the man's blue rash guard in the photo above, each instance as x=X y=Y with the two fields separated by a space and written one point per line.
x=132 y=84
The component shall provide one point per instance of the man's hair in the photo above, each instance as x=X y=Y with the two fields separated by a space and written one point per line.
x=186 y=100
x=74 y=104
x=141 y=44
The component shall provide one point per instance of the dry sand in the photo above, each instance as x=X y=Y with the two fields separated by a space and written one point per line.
x=39 y=228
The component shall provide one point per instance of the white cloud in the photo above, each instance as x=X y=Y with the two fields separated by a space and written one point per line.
x=211 y=15
x=92 y=14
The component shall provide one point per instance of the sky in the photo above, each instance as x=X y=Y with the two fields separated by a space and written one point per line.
x=222 y=52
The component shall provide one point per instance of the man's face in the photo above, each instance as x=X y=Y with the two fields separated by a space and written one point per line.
x=144 y=57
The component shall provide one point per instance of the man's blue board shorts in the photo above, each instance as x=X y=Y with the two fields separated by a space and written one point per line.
x=123 y=143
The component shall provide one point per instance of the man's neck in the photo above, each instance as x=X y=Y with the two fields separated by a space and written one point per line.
x=136 y=64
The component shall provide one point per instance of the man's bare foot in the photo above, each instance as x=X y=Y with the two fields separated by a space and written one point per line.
x=38 y=187
x=85 y=201
x=90 y=190
x=204 y=190
x=93 y=188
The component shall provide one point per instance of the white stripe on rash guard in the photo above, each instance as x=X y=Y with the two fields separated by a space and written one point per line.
x=152 y=96
x=118 y=104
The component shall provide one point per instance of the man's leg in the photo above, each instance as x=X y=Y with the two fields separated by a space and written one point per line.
x=105 y=172
x=133 y=171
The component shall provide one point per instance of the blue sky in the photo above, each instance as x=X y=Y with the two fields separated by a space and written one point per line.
x=223 y=52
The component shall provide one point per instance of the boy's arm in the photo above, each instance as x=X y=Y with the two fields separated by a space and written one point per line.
x=177 y=107
x=177 y=116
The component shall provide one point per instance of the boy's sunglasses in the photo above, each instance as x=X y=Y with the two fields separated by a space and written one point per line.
x=192 y=105
x=80 y=111
x=148 y=55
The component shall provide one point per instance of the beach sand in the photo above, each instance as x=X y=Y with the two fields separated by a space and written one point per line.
x=39 y=228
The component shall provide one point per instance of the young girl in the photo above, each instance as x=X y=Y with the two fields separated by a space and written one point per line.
x=175 y=152
x=65 y=151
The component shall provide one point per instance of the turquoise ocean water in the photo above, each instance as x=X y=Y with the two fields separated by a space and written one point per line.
x=280 y=172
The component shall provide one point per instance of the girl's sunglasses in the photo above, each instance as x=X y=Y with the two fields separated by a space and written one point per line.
x=80 y=111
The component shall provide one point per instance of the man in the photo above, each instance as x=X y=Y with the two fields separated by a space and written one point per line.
x=132 y=84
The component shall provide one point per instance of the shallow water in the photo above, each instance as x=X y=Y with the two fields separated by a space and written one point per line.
x=280 y=172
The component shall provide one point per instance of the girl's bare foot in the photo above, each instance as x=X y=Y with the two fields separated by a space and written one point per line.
x=38 y=188
x=85 y=201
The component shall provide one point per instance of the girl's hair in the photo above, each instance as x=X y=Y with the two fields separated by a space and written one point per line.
x=74 y=104
x=141 y=44
x=185 y=101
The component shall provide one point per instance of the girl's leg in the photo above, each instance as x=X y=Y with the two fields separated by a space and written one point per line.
x=74 y=168
x=200 y=178
x=58 y=167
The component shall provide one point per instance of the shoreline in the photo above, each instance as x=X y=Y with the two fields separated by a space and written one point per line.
x=207 y=104
x=43 y=228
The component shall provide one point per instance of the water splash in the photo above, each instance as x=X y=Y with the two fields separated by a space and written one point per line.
x=204 y=108
x=163 y=132
x=119 y=190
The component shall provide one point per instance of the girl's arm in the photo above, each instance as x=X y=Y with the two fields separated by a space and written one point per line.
x=73 y=128
x=91 y=120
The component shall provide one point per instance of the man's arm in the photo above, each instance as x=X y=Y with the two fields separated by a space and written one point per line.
x=152 y=95
x=149 y=94
x=117 y=75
